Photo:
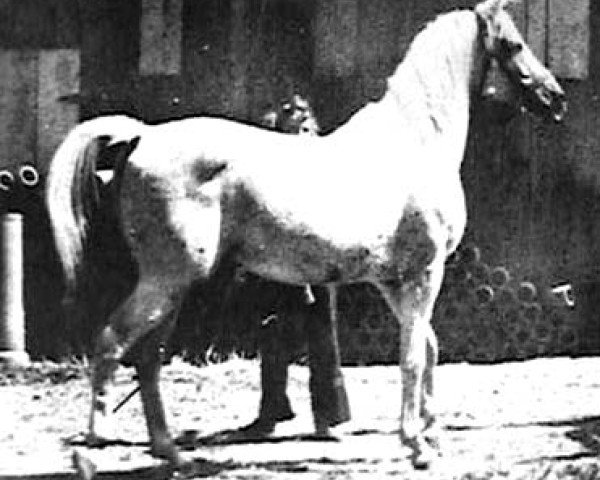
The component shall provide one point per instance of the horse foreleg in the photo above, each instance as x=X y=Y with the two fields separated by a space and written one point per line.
x=427 y=395
x=412 y=303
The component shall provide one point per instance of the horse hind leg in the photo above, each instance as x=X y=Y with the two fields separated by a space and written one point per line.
x=105 y=361
x=136 y=330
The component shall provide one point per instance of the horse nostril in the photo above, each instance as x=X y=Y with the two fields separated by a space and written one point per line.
x=525 y=79
x=561 y=109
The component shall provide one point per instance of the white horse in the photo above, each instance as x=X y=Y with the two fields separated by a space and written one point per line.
x=379 y=200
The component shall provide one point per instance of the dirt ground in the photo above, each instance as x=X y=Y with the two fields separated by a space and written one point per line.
x=538 y=419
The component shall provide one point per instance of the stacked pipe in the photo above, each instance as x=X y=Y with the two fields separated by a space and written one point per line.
x=15 y=188
x=483 y=314
x=486 y=315
x=368 y=330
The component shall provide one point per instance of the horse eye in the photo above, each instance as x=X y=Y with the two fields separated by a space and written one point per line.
x=515 y=47
x=510 y=48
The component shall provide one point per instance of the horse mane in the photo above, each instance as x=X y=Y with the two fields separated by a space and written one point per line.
x=439 y=37
x=428 y=77
x=435 y=63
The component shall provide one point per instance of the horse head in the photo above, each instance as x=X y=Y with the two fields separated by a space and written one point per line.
x=533 y=83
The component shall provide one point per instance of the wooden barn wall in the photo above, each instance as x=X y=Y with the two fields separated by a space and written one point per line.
x=532 y=187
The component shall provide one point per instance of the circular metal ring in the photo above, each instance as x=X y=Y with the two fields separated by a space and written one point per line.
x=7 y=180
x=29 y=176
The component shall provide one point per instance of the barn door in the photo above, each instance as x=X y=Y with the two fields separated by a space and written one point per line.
x=36 y=111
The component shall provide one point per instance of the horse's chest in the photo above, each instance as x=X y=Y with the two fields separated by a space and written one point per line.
x=418 y=239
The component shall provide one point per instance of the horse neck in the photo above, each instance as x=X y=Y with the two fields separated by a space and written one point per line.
x=429 y=94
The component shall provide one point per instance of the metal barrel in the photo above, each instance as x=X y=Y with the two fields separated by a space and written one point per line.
x=484 y=294
x=499 y=276
x=12 y=320
x=526 y=292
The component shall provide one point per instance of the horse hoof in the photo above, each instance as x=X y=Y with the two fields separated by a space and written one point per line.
x=422 y=461
x=169 y=452
x=433 y=441
x=423 y=455
x=92 y=440
x=431 y=433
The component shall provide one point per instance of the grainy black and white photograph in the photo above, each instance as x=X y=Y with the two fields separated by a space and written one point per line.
x=299 y=239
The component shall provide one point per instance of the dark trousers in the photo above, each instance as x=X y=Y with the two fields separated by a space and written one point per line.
x=281 y=340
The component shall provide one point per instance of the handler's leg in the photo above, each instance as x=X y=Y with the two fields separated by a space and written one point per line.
x=327 y=391
x=277 y=346
x=274 y=403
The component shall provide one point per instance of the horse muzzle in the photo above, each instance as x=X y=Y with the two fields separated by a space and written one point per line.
x=547 y=98
x=558 y=108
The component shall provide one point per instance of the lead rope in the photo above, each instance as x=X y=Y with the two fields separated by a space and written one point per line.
x=130 y=395
x=310 y=299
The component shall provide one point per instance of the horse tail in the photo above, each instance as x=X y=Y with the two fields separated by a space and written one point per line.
x=72 y=192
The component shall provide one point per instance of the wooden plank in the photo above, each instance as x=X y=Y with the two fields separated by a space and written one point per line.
x=160 y=37
x=206 y=62
x=39 y=23
x=335 y=85
x=377 y=27
x=161 y=97
x=406 y=27
x=536 y=17
x=109 y=56
x=241 y=39
x=18 y=98
x=336 y=33
x=568 y=38
x=58 y=77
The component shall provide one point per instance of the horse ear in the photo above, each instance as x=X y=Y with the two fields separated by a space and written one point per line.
x=486 y=13
x=489 y=9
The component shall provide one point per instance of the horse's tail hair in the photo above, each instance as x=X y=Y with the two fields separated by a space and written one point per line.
x=72 y=193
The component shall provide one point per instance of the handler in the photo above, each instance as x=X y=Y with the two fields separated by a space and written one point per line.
x=310 y=317
x=282 y=336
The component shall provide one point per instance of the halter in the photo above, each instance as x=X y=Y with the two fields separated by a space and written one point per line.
x=490 y=57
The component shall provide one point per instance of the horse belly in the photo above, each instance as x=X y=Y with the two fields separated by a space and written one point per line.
x=295 y=256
